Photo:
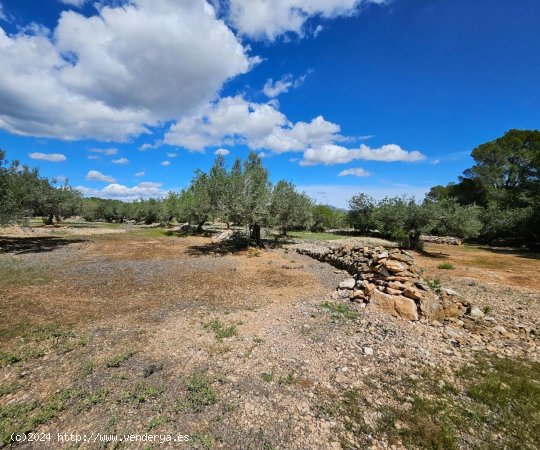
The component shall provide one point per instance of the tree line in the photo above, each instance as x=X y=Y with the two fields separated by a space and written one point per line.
x=496 y=199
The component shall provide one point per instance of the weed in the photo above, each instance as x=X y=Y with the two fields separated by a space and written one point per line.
x=156 y=422
x=446 y=266
x=199 y=393
x=21 y=418
x=258 y=340
x=435 y=285
x=7 y=389
x=339 y=311
x=118 y=360
x=268 y=376
x=6 y=359
x=88 y=368
x=94 y=398
x=141 y=393
x=289 y=379
x=113 y=420
x=220 y=330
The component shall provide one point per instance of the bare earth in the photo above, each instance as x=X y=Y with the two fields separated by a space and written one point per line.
x=162 y=335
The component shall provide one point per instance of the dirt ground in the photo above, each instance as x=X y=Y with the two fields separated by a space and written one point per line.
x=126 y=333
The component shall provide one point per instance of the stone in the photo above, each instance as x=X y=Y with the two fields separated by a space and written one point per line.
x=500 y=329
x=476 y=313
x=450 y=292
x=391 y=291
x=394 y=266
x=406 y=308
x=349 y=283
x=412 y=293
x=368 y=351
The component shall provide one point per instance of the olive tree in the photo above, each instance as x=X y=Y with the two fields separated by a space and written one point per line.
x=290 y=208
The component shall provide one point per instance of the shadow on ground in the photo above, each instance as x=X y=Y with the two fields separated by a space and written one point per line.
x=24 y=245
x=514 y=252
x=216 y=248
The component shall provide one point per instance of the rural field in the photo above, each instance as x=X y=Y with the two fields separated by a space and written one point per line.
x=129 y=330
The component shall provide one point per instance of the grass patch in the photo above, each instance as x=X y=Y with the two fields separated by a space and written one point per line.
x=221 y=331
x=7 y=389
x=19 y=275
x=151 y=232
x=6 y=359
x=23 y=418
x=199 y=393
x=156 y=422
x=495 y=403
x=258 y=340
x=89 y=399
x=142 y=393
x=119 y=360
x=322 y=236
x=339 y=311
x=446 y=266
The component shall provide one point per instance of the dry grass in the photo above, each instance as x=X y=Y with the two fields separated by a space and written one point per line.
x=504 y=267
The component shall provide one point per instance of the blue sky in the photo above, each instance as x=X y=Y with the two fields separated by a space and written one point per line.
x=126 y=99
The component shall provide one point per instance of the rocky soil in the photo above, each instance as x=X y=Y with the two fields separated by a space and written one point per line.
x=242 y=349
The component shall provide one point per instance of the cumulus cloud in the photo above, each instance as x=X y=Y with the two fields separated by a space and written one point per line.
x=357 y=172
x=51 y=157
x=222 y=152
x=134 y=64
x=121 y=161
x=94 y=175
x=335 y=154
x=139 y=174
x=274 y=88
x=263 y=19
x=121 y=192
x=165 y=163
x=259 y=125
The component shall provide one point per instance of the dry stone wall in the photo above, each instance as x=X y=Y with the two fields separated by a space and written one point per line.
x=448 y=240
x=388 y=280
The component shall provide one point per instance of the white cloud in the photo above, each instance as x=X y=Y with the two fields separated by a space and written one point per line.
x=172 y=155
x=357 y=172
x=335 y=154
x=110 y=76
x=93 y=157
x=139 y=174
x=274 y=88
x=51 y=157
x=222 y=152
x=105 y=151
x=76 y=3
x=165 y=163
x=121 y=192
x=94 y=175
x=2 y=15
x=263 y=19
x=121 y=161
x=259 y=125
